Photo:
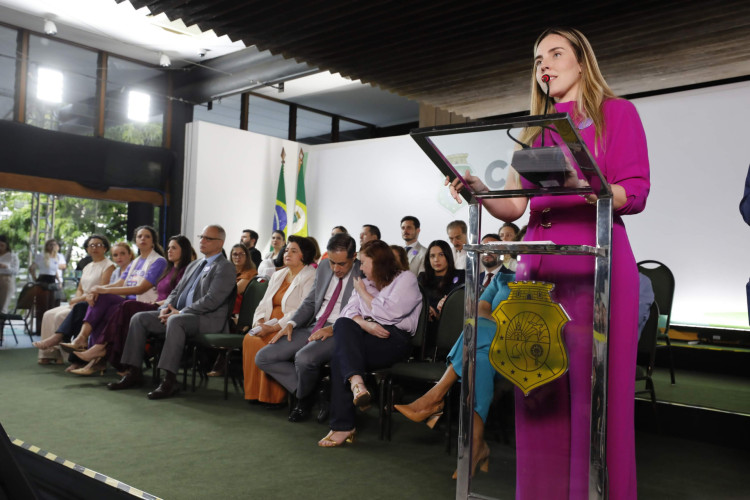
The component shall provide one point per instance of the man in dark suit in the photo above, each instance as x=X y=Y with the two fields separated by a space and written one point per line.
x=249 y=238
x=296 y=354
x=198 y=303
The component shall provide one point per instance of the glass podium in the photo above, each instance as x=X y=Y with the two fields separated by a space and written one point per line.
x=487 y=150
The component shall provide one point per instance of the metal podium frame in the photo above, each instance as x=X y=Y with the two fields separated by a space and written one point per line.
x=564 y=128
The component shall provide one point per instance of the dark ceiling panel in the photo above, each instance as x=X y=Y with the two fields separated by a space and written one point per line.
x=473 y=57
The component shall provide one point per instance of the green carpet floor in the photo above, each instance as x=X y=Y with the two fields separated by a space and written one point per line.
x=197 y=445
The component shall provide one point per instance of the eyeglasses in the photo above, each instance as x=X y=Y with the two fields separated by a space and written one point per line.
x=96 y=245
x=204 y=237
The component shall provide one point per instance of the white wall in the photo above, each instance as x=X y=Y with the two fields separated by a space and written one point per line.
x=231 y=177
x=699 y=155
x=699 y=148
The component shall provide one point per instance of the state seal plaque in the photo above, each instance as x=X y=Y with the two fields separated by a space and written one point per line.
x=528 y=348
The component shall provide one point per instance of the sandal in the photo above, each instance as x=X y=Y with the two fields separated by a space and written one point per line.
x=362 y=396
x=329 y=442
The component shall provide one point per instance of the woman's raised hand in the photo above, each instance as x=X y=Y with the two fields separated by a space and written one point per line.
x=473 y=181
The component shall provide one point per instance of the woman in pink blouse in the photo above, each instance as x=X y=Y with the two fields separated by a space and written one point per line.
x=109 y=341
x=373 y=331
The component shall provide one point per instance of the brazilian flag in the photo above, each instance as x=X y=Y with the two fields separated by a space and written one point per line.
x=299 y=226
x=279 y=215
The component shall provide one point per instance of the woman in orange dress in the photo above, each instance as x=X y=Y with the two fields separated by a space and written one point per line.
x=286 y=291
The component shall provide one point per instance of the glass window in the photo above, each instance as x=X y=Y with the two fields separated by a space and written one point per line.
x=225 y=111
x=268 y=117
x=135 y=101
x=7 y=71
x=350 y=131
x=313 y=128
x=61 y=90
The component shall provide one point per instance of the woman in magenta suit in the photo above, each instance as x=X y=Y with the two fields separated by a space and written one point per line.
x=552 y=423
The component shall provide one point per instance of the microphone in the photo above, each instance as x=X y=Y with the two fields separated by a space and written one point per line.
x=543 y=166
x=545 y=79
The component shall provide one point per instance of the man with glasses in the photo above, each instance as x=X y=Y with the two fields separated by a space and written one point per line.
x=198 y=303
x=296 y=354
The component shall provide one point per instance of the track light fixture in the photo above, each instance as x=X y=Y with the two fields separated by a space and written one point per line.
x=164 y=61
x=50 y=28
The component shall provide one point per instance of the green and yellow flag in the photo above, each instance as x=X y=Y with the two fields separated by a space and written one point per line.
x=299 y=226
x=279 y=214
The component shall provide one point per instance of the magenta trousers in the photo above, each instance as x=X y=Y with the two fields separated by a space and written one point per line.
x=553 y=422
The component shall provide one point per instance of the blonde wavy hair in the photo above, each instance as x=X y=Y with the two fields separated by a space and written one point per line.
x=592 y=92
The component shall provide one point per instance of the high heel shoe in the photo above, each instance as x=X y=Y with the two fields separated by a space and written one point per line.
x=362 y=396
x=431 y=414
x=73 y=346
x=94 y=366
x=94 y=352
x=48 y=343
x=328 y=442
x=482 y=460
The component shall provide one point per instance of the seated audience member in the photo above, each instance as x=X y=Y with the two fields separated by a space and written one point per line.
x=8 y=271
x=278 y=239
x=429 y=407
x=318 y=256
x=410 y=229
x=246 y=271
x=286 y=291
x=509 y=232
x=271 y=265
x=46 y=271
x=122 y=255
x=646 y=297
x=138 y=283
x=249 y=238
x=438 y=279
x=457 y=236
x=295 y=355
x=198 y=303
x=240 y=256
x=97 y=272
x=335 y=230
x=368 y=233
x=400 y=254
x=373 y=331
x=490 y=261
x=108 y=342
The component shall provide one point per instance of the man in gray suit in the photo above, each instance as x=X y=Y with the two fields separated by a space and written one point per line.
x=410 y=229
x=295 y=361
x=198 y=303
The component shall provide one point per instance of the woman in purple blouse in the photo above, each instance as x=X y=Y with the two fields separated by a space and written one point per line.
x=553 y=422
x=109 y=341
x=373 y=331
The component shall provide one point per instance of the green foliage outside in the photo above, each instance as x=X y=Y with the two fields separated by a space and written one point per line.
x=75 y=219
x=143 y=134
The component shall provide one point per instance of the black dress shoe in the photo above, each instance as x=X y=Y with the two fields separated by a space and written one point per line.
x=324 y=402
x=324 y=413
x=301 y=410
x=168 y=387
x=131 y=379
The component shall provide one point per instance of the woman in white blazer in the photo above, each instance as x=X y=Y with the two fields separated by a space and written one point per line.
x=286 y=291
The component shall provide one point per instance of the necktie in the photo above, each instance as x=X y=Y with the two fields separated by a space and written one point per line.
x=331 y=303
x=487 y=279
x=407 y=250
x=186 y=297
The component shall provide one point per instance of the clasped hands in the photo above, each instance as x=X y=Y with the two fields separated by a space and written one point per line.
x=167 y=312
